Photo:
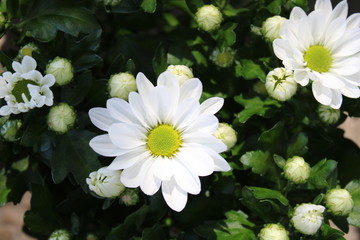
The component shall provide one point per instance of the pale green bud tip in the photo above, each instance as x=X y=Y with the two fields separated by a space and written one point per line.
x=62 y=69
x=297 y=170
x=60 y=235
x=339 y=202
x=328 y=115
x=61 y=118
x=273 y=232
x=181 y=72
x=28 y=50
x=121 y=84
x=308 y=218
x=271 y=27
x=130 y=197
x=208 y=17
x=9 y=130
x=226 y=134
x=106 y=183
x=280 y=84
x=224 y=57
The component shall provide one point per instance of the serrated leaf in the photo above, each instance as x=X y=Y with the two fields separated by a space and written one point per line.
x=251 y=70
x=226 y=36
x=320 y=172
x=275 y=7
x=298 y=145
x=265 y=193
x=329 y=233
x=354 y=189
x=271 y=138
x=149 y=6
x=258 y=161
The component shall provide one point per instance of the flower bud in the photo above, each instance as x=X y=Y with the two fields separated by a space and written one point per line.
x=60 y=234
x=62 y=69
x=308 y=218
x=273 y=232
x=297 y=170
x=328 y=115
x=91 y=237
x=130 y=197
x=208 y=17
x=28 y=50
x=271 y=27
x=224 y=57
x=181 y=72
x=339 y=202
x=61 y=118
x=280 y=84
x=226 y=134
x=105 y=183
x=121 y=84
x=9 y=130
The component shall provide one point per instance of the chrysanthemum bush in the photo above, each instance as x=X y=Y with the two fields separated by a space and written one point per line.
x=180 y=119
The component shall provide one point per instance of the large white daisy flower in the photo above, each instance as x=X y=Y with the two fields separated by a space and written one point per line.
x=25 y=89
x=163 y=137
x=323 y=46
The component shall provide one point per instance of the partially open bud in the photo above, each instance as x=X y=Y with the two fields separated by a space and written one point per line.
x=226 y=134
x=106 y=183
x=223 y=57
x=328 y=115
x=339 y=202
x=28 y=50
x=280 y=84
x=121 y=84
x=182 y=72
x=61 y=234
x=308 y=218
x=208 y=17
x=271 y=27
x=130 y=197
x=61 y=118
x=297 y=170
x=273 y=232
x=62 y=69
x=9 y=130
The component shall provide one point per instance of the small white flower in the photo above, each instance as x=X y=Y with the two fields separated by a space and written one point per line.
x=163 y=137
x=273 y=232
x=328 y=115
x=280 y=84
x=339 y=202
x=208 y=17
x=323 y=47
x=297 y=170
x=223 y=57
x=106 y=183
x=25 y=89
x=226 y=134
x=62 y=69
x=271 y=27
x=308 y=218
x=182 y=72
x=60 y=234
x=121 y=84
x=61 y=118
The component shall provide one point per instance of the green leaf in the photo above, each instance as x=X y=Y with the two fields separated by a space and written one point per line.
x=279 y=161
x=149 y=6
x=159 y=61
x=320 y=173
x=298 y=145
x=354 y=189
x=194 y=5
x=251 y=70
x=5 y=60
x=258 y=161
x=75 y=94
x=271 y=138
x=127 y=6
x=4 y=191
x=226 y=36
x=275 y=7
x=265 y=193
x=154 y=233
x=329 y=233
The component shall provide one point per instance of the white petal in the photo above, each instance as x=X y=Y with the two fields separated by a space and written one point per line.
x=297 y=14
x=322 y=94
x=323 y=5
x=336 y=100
x=340 y=11
x=151 y=184
x=281 y=48
x=133 y=176
x=175 y=197
x=192 y=88
x=205 y=139
x=126 y=135
x=351 y=91
x=211 y=105
x=198 y=160
x=48 y=80
x=329 y=80
x=301 y=77
x=101 y=118
x=5 y=110
x=163 y=104
x=349 y=45
x=334 y=31
x=205 y=123
x=353 y=21
x=129 y=158
x=120 y=110
x=33 y=75
x=185 y=179
x=346 y=67
x=142 y=111
x=102 y=145
x=144 y=85
x=187 y=112
x=28 y=64
x=163 y=168
x=17 y=67
x=220 y=164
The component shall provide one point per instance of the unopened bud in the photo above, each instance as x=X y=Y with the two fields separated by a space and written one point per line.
x=271 y=27
x=308 y=218
x=61 y=118
x=273 y=232
x=121 y=84
x=224 y=57
x=339 y=202
x=226 y=134
x=106 y=183
x=130 y=197
x=208 y=17
x=62 y=69
x=297 y=170
x=280 y=84
x=328 y=115
x=182 y=73
x=60 y=235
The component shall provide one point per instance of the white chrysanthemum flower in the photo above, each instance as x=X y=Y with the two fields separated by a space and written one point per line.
x=297 y=170
x=208 y=17
x=223 y=57
x=339 y=202
x=62 y=69
x=226 y=134
x=323 y=46
x=121 y=84
x=25 y=89
x=60 y=234
x=61 y=118
x=308 y=218
x=280 y=84
x=271 y=27
x=182 y=72
x=328 y=115
x=162 y=137
x=273 y=232
x=106 y=183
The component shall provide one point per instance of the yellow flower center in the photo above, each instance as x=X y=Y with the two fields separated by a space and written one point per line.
x=20 y=88
x=318 y=58
x=164 y=140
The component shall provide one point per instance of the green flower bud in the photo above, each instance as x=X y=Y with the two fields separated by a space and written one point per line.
x=271 y=27
x=297 y=170
x=308 y=218
x=273 y=232
x=28 y=50
x=62 y=69
x=60 y=234
x=130 y=197
x=208 y=17
x=226 y=134
x=61 y=118
x=224 y=57
x=121 y=84
x=182 y=72
x=339 y=202
x=328 y=115
x=9 y=130
x=280 y=84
